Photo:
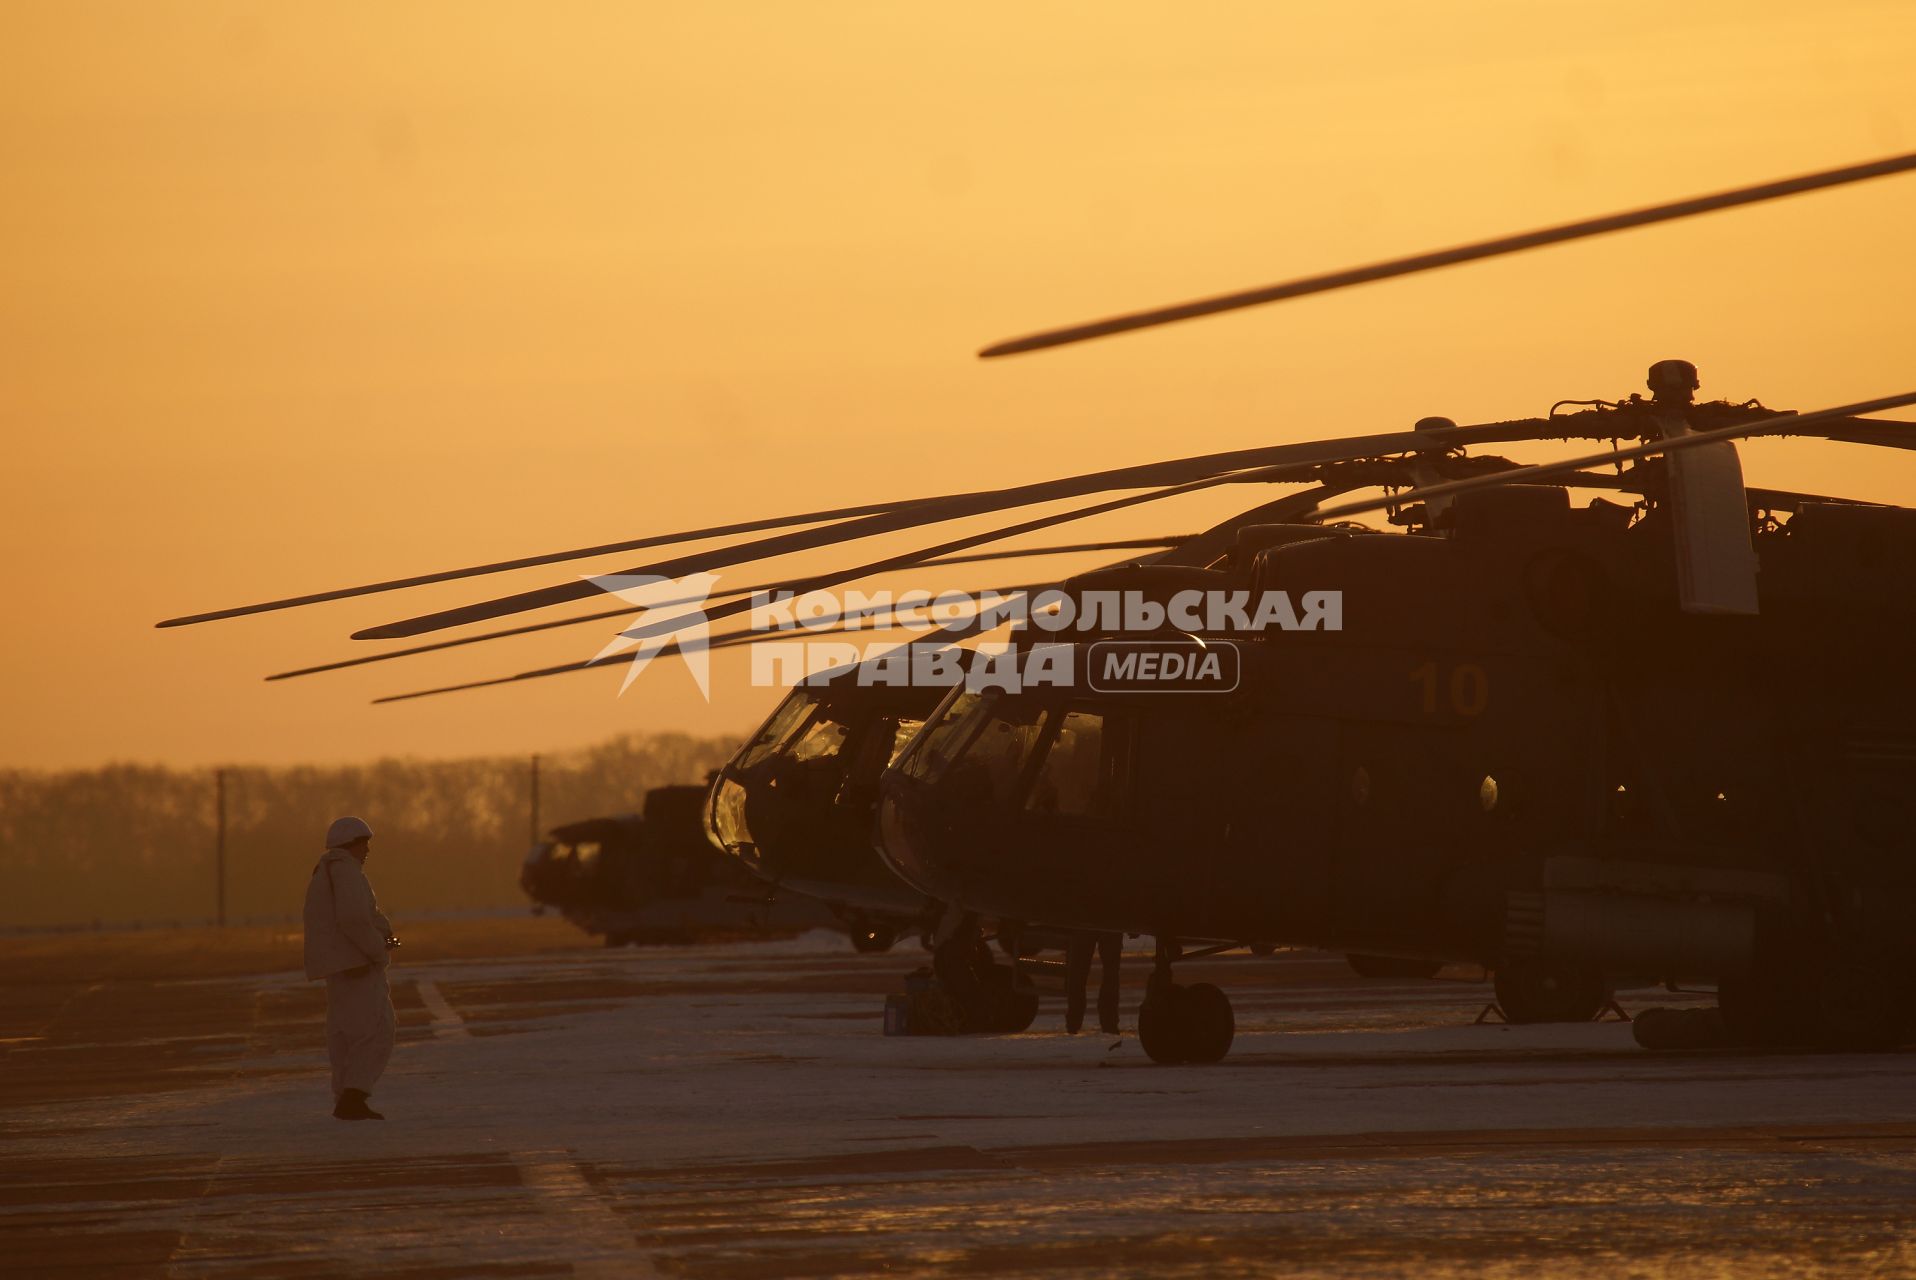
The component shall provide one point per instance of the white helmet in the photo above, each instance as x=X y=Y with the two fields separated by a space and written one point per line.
x=346 y=830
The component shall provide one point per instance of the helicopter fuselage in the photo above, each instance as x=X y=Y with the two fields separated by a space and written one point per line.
x=1517 y=745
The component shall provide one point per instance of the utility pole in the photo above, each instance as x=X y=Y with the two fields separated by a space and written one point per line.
x=535 y=803
x=219 y=841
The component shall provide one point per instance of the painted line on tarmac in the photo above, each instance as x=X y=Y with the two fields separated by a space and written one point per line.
x=446 y=1022
x=599 y=1243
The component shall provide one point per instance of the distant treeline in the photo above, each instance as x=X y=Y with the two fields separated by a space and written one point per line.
x=135 y=844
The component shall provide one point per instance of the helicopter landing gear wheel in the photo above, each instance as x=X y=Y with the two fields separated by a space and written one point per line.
x=1528 y=992
x=1186 y=1024
x=1206 y=1021
x=1183 y=1024
x=988 y=996
x=1158 y=1024
x=1008 y=1007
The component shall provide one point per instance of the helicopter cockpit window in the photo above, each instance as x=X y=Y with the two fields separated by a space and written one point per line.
x=946 y=736
x=881 y=747
x=790 y=714
x=820 y=739
x=728 y=815
x=906 y=728
x=1070 y=779
x=586 y=853
x=990 y=766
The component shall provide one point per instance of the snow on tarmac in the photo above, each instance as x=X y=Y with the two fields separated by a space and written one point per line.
x=734 y=1111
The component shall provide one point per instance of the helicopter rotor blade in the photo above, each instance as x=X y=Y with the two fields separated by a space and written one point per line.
x=1783 y=424
x=906 y=560
x=1196 y=549
x=528 y=562
x=960 y=506
x=604 y=614
x=1452 y=257
x=956 y=631
x=932 y=511
x=912 y=559
x=1215 y=541
x=1283 y=509
x=1877 y=431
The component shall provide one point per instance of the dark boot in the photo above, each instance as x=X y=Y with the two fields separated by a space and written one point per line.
x=352 y=1106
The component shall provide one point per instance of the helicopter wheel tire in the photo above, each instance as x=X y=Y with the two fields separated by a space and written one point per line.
x=1158 y=1025
x=1020 y=1011
x=1530 y=993
x=1002 y=1006
x=1205 y=1023
x=1186 y=1024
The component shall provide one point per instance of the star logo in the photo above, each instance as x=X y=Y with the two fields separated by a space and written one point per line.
x=685 y=631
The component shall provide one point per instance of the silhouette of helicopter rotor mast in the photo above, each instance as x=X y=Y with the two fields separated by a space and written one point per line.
x=1579 y=676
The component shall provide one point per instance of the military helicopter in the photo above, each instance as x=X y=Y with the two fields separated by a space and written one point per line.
x=1474 y=765
x=649 y=873
x=796 y=805
x=1478 y=766
x=1687 y=504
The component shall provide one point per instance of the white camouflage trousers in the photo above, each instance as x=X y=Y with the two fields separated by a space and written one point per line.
x=360 y=1027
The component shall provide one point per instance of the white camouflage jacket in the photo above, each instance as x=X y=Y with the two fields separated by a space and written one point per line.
x=344 y=929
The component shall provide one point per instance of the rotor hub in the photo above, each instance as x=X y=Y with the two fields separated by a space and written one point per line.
x=1673 y=382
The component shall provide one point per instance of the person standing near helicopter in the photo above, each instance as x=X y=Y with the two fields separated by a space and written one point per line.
x=348 y=943
x=1079 y=953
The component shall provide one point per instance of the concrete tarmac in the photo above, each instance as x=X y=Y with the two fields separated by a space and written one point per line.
x=734 y=1111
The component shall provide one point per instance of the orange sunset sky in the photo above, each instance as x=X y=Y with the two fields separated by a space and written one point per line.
x=294 y=296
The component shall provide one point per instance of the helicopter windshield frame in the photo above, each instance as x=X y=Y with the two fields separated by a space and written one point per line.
x=790 y=718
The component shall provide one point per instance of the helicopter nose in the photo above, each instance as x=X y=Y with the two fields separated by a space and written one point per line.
x=725 y=822
x=904 y=833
